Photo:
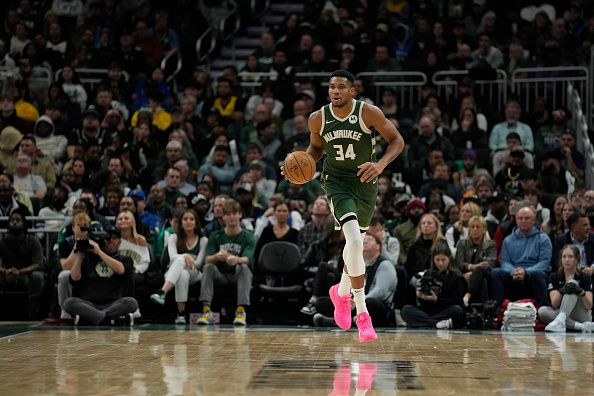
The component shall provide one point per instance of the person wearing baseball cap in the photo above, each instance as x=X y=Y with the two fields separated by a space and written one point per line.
x=91 y=133
x=407 y=231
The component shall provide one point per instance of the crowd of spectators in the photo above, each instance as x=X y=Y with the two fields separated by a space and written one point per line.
x=189 y=172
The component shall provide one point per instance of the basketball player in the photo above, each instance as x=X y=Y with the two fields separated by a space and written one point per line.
x=345 y=131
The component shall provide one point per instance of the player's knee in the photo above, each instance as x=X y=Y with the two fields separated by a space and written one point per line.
x=354 y=246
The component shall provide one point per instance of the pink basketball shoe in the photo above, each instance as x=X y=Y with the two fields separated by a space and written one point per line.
x=342 y=308
x=366 y=331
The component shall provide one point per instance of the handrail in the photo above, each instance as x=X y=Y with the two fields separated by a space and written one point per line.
x=253 y=8
x=223 y=23
x=529 y=70
x=213 y=40
x=178 y=66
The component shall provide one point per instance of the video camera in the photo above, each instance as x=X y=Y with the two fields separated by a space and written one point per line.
x=429 y=283
x=96 y=233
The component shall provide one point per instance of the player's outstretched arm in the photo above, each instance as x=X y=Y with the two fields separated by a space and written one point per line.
x=316 y=143
x=373 y=117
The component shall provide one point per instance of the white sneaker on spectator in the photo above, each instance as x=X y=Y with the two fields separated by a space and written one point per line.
x=557 y=325
x=444 y=324
x=137 y=314
x=76 y=320
x=65 y=315
x=588 y=327
x=399 y=321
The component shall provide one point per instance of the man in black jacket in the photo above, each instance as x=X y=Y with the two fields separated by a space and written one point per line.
x=100 y=277
x=582 y=237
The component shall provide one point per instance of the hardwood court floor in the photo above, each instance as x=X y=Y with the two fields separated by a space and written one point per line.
x=159 y=360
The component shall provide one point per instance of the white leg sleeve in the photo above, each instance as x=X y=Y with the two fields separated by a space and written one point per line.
x=353 y=248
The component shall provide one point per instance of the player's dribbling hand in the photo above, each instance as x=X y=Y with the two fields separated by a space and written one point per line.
x=369 y=171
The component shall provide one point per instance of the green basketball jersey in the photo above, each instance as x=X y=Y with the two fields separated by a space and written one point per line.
x=348 y=142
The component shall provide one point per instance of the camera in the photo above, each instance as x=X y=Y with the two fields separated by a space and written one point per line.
x=429 y=283
x=96 y=233
x=482 y=315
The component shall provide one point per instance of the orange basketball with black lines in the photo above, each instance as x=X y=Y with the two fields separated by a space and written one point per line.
x=299 y=167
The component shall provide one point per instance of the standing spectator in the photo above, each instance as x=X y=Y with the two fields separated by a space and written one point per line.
x=100 y=277
x=570 y=292
x=22 y=262
x=186 y=251
x=525 y=260
x=228 y=256
x=439 y=294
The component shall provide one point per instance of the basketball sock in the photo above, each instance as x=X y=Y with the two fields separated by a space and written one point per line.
x=359 y=297
x=344 y=287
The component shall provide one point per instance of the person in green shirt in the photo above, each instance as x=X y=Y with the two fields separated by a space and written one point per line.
x=229 y=254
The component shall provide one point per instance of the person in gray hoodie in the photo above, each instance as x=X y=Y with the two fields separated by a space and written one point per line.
x=51 y=145
x=525 y=261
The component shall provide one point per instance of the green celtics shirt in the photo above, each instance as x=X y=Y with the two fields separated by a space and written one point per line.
x=241 y=245
x=348 y=142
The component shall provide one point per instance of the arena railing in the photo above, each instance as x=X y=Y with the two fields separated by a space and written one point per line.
x=551 y=83
x=178 y=66
x=205 y=45
x=91 y=78
x=590 y=107
x=259 y=7
x=230 y=23
x=579 y=124
x=45 y=233
x=494 y=91
x=407 y=85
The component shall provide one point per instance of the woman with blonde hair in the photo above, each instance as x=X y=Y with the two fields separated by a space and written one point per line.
x=428 y=234
x=459 y=230
x=475 y=256
x=132 y=244
x=570 y=295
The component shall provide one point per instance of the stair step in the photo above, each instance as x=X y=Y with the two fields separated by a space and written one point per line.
x=273 y=20
x=286 y=8
x=220 y=63
x=246 y=42
x=256 y=30
x=239 y=53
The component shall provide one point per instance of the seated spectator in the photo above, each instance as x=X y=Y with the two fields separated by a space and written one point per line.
x=11 y=201
x=427 y=141
x=475 y=256
x=497 y=138
x=487 y=53
x=380 y=286
x=439 y=294
x=268 y=218
x=428 y=235
x=406 y=233
x=390 y=244
x=144 y=88
x=508 y=178
x=157 y=203
x=324 y=256
x=503 y=157
x=40 y=164
x=111 y=206
x=459 y=231
x=581 y=236
x=186 y=251
x=132 y=244
x=525 y=260
x=441 y=179
x=27 y=183
x=21 y=262
x=229 y=255
x=100 y=278
x=57 y=208
x=72 y=86
x=216 y=223
x=185 y=187
x=224 y=173
x=533 y=196
x=280 y=230
x=570 y=292
x=52 y=145
x=479 y=121
x=246 y=195
x=555 y=219
x=569 y=156
x=464 y=176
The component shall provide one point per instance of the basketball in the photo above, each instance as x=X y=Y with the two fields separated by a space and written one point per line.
x=299 y=167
